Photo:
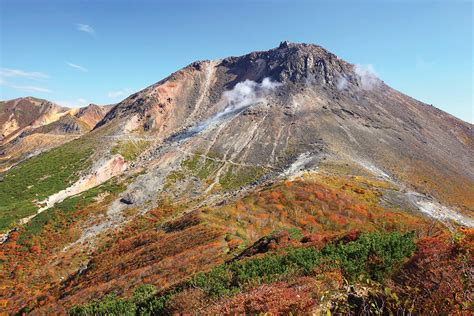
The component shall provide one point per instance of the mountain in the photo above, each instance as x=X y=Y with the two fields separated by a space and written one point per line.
x=92 y=114
x=240 y=185
x=18 y=114
x=30 y=126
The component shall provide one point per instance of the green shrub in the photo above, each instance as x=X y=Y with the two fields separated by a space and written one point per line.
x=109 y=305
x=143 y=302
x=202 y=166
x=63 y=213
x=130 y=150
x=216 y=282
x=374 y=254
x=295 y=233
x=235 y=177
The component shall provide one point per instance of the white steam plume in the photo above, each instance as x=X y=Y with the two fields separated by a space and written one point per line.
x=367 y=75
x=341 y=83
x=243 y=95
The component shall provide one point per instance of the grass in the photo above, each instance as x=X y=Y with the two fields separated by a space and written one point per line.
x=174 y=177
x=37 y=178
x=235 y=178
x=202 y=166
x=130 y=150
x=205 y=168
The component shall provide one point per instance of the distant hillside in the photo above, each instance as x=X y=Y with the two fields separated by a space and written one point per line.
x=30 y=126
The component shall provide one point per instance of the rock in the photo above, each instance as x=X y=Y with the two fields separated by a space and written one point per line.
x=128 y=199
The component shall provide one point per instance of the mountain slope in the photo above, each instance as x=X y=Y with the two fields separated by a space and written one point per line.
x=30 y=126
x=272 y=152
x=18 y=114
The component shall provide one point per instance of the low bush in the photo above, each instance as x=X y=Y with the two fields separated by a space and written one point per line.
x=143 y=302
x=374 y=255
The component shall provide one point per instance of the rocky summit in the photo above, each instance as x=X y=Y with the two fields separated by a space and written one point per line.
x=286 y=180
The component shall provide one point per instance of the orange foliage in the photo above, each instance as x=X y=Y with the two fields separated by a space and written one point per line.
x=438 y=272
x=35 y=249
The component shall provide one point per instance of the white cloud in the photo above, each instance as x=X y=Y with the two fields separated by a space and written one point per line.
x=76 y=66
x=85 y=28
x=118 y=93
x=31 y=88
x=18 y=73
x=24 y=88
x=367 y=76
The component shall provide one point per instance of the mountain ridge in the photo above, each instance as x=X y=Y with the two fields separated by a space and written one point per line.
x=31 y=125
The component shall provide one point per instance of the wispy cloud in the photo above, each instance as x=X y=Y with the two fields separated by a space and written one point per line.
x=76 y=66
x=118 y=93
x=23 y=76
x=18 y=73
x=31 y=88
x=24 y=88
x=85 y=28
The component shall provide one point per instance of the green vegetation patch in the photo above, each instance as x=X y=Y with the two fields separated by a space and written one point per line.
x=143 y=302
x=295 y=233
x=202 y=166
x=39 y=177
x=374 y=255
x=63 y=214
x=205 y=167
x=131 y=149
x=235 y=177
x=174 y=177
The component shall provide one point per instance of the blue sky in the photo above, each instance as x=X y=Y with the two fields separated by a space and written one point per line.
x=80 y=52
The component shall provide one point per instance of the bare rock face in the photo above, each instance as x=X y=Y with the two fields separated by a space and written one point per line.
x=92 y=114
